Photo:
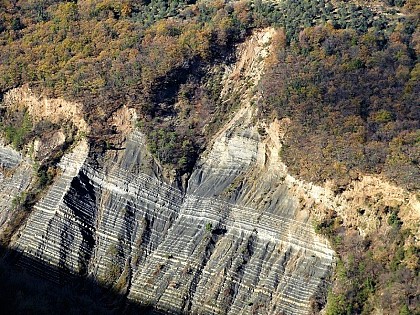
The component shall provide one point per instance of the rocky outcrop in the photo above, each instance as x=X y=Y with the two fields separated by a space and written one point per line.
x=232 y=243
x=49 y=227
x=15 y=179
x=55 y=111
x=234 y=240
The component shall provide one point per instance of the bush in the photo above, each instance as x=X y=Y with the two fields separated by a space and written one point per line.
x=209 y=227
x=16 y=128
x=394 y=220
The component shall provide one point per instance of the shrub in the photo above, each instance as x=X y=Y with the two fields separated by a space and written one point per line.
x=209 y=227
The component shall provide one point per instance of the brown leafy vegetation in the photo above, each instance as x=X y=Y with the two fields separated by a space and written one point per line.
x=353 y=101
x=380 y=271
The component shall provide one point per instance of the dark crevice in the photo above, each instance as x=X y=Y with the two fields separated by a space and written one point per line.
x=82 y=199
x=147 y=235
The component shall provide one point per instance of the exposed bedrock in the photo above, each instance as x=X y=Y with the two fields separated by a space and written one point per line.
x=235 y=241
x=15 y=178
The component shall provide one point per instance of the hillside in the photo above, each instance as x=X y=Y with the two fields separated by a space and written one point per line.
x=212 y=157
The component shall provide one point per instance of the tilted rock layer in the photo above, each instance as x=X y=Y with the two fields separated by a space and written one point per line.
x=234 y=241
x=15 y=177
x=231 y=244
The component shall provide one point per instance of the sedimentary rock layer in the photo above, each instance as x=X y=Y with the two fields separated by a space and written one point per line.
x=233 y=241
x=15 y=178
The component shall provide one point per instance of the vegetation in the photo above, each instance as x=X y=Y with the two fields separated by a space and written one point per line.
x=353 y=102
x=349 y=85
x=18 y=129
x=108 y=53
x=379 y=271
x=112 y=268
x=209 y=227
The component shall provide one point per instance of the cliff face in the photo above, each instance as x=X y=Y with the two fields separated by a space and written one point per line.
x=234 y=240
x=15 y=178
x=229 y=244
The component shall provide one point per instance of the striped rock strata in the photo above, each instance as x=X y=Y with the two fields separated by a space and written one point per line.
x=234 y=241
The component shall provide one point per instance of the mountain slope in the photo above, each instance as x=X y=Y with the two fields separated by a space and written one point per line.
x=192 y=159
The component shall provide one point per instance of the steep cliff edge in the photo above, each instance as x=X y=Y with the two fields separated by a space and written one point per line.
x=15 y=179
x=237 y=239
x=234 y=242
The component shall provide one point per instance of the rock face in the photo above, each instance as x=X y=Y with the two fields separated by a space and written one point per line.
x=15 y=178
x=234 y=241
x=230 y=244
x=40 y=108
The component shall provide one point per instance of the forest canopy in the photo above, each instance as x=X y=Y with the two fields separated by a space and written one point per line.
x=354 y=102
